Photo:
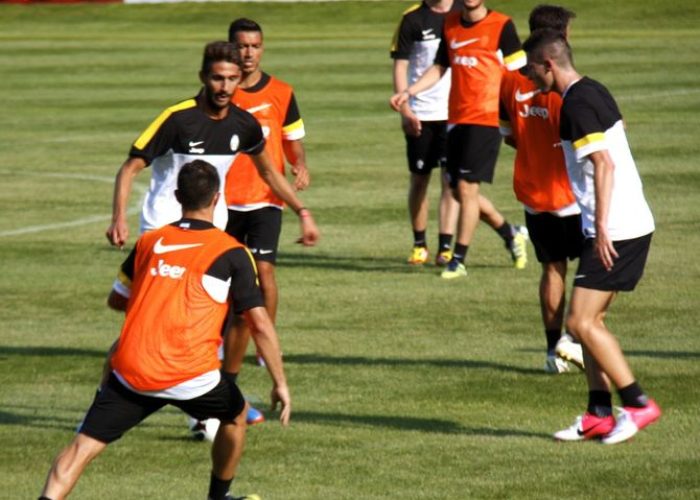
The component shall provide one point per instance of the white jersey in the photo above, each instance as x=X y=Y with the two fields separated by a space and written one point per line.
x=591 y=122
x=417 y=39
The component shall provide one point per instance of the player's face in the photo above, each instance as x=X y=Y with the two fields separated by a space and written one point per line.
x=472 y=4
x=250 y=49
x=220 y=83
x=540 y=74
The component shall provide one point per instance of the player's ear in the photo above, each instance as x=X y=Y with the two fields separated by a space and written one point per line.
x=215 y=200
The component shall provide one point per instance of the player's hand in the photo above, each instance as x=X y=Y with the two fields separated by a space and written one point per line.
x=398 y=100
x=410 y=123
x=117 y=233
x=280 y=395
x=309 y=231
x=605 y=250
x=302 y=178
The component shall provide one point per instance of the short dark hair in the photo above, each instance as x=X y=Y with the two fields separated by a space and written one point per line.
x=242 y=24
x=215 y=52
x=548 y=44
x=197 y=183
x=550 y=16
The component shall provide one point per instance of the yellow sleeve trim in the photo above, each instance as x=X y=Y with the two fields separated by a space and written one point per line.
x=148 y=134
x=516 y=60
x=589 y=139
x=395 y=38
x=292 y=127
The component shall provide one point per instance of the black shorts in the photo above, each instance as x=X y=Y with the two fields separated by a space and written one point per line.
x=555 y=238
x=429 y=149
x=627 y=269
x=472 y=151
x=117 y=409
x=259 y=230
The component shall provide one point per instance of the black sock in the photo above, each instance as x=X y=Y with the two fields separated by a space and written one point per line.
x=553 y=337
x=218 y=488
x=460 y=252
x=505 y=232
x=419 y=239
x=444 y=242
x=633 y=395
x=600 y=403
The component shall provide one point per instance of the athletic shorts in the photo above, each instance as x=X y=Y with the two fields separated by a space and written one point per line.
x=259 y=230
x=117 y=409
x=472 y=151
x=429 y=149
x=555 y=238
x=627 y=268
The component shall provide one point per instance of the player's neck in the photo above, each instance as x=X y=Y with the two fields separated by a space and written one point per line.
x=251 y=79
x=440 y=6
x=211 y=111
x=565 y=79
x=204 y=214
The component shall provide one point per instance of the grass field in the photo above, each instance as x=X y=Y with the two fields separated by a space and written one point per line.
x=404 y=386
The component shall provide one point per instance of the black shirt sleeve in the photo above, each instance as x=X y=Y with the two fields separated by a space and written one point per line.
x=238 y=266
x=293 y=114
x=157 y=142
x=509 y=42
x=253 y=141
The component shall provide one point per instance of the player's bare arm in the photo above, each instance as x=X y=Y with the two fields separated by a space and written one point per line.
x=281 y=187
x=118 y=231
x=603 y=179
x=265 y=338
x=431 y=76
x=296 y=156
x=410 y=123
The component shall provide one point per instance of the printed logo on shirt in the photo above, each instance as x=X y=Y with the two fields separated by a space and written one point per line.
x=428 y=34
x=167 y=271
x=161 y=248
x=235 y=142
x=194 y=149
x=454 y=44
x=255 y=109
x=534 y=111
x=468 y=61
x=519 y=97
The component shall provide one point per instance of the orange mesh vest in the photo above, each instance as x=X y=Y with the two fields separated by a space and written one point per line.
x=173 y=327
x=269 y=105
x=540 y=180
x=477 y=67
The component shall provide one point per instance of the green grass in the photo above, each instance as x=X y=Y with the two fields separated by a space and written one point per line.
x=404 y=386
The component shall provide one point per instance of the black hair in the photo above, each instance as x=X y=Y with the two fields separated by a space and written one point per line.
x=550 y=16
x=216 y=52
x=197 y=183
x=242 y=24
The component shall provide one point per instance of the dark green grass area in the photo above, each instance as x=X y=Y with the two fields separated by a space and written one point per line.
x=404 y=386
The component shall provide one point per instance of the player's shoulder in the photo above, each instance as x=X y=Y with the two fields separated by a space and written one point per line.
x=280 y=85
x=412 y=10
x=495 y=16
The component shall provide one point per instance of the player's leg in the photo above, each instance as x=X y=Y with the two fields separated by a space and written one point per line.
x=225 y=403
x=448 y=208
x=69 y=466
x=113 y=412
x=514 y=236
x=417 y=154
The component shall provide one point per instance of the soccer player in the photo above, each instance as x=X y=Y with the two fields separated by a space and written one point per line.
x=177 y=287
x=530 y=123
x=254 y=210
x=423 y=120
x=618 y=226
x=477 y=44
x=206 y=127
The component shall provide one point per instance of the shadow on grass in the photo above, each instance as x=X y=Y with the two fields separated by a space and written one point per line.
x=313 y=359
x=393 y=264
x=644 y=354
x=50 y=351
x=427 y=425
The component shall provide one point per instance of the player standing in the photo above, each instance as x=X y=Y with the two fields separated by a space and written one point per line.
x=618 y=226
x=530 y=123
x=177 y=286
x=477 y=45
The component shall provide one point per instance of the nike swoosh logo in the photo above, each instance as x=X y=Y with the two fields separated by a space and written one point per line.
x=579 y=276
x=195 y=144
x=160 y=248
x=526 y=96
x=265 y=252
x=454 y=44
x=255 y=109
x=427 y=32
